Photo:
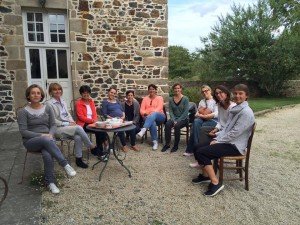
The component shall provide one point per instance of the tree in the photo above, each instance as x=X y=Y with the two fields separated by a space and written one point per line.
x=179 y=62
x=243 y=46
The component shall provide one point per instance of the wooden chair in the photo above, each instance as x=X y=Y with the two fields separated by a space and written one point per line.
x=238 y=161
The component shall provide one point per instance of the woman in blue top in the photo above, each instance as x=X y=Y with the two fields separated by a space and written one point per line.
x=111 y=108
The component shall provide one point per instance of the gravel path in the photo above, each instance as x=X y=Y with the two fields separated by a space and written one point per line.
x=160 y=190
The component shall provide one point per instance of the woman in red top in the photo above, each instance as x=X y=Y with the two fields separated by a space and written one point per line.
x=86 y=114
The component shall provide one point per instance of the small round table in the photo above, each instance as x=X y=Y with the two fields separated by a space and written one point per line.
x=112 y=147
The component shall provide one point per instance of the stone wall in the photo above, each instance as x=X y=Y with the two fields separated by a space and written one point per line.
x=119 y=42
x=113 y=42
x=12 y=64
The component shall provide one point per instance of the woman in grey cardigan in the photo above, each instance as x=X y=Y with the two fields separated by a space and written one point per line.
x=37 y=127
x=179 y=118
x=231 y=141
x=131 y=107
x=66 y=126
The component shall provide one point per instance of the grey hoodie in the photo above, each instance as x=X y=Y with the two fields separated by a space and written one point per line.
x=238 y=127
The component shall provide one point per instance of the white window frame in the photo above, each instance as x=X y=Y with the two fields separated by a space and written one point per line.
x=46 y=27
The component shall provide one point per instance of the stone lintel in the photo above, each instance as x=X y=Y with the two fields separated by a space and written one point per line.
x=144 y=53
x=156 y=61
x=53 y=4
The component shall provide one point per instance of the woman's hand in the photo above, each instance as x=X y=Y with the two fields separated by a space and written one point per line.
x=47 y=135
x=72 y=124
x=213 y=142
x=213 y=132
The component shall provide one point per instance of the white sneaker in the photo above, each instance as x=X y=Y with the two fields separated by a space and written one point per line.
x=142 y=132
x=155 y=145
x=69 y=170
x=194 y=165
x=52 y=187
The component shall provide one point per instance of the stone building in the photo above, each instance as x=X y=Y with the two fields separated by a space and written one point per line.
x=96 y=42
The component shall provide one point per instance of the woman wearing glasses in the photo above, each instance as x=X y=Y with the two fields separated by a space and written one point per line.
x=206 y=115
x=66 y=126
x=222 y=97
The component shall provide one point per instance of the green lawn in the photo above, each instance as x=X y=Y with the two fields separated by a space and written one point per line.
x=258 y=104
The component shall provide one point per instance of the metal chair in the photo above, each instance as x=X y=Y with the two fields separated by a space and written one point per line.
x=238 y=161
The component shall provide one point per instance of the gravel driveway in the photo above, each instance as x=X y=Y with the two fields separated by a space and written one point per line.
x=160 y=190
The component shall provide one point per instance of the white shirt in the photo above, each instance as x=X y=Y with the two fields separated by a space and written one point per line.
x=89 y=112
x=223 y=115
x=210 y=104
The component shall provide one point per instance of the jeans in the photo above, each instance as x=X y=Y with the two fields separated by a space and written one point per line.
x=196 y=132
x=168 y=127
x=151 y=121
x=49 y=151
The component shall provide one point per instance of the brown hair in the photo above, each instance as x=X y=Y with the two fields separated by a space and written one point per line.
x=242 y=87
x=227 y=92
x=153 y=86
x=55 y=86
x=28 y=90
x=176 y=84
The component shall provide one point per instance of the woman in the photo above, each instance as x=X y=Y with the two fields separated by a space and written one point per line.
x=66 y=126
x=179 y=110
x=222 y=97
x=131 y=107
x=111 y=108
x=152 y=113
x=231 y=141
x=206 y=116
x=86 y=114
x=37 y=127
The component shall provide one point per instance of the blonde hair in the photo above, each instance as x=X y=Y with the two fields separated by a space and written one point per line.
x=205 y=86
x=55 y=86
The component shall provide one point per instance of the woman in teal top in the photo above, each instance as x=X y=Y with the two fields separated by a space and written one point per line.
x=179 y=110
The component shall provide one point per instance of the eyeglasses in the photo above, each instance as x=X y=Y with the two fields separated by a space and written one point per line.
x=218 y=92
x=204 y=91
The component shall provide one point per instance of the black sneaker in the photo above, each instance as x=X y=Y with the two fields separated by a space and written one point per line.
x=214 y=189
x=174 y=149
x=201 y=179
x=81 y=164
x=165 y=148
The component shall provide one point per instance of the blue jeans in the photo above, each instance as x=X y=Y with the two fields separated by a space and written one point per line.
x=151 y=121
x=195 y=132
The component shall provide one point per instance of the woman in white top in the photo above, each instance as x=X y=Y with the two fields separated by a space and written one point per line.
x=222 y=97
x=66 y=126
x=206 y=115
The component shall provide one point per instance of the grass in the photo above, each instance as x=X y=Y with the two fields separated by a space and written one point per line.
x=259 y=104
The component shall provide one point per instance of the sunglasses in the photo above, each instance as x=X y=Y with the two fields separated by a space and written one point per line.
x=204 y=91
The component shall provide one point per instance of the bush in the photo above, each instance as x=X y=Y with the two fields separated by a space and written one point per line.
x=193 y=93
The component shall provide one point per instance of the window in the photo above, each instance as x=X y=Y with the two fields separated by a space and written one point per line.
x=57 y=28
x=35 y=29
x=45 y=28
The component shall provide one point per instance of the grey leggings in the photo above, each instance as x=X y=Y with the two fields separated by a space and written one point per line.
x=80 y=137
x=49 y=151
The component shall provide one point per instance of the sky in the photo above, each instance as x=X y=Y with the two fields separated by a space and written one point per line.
x=191 y=19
